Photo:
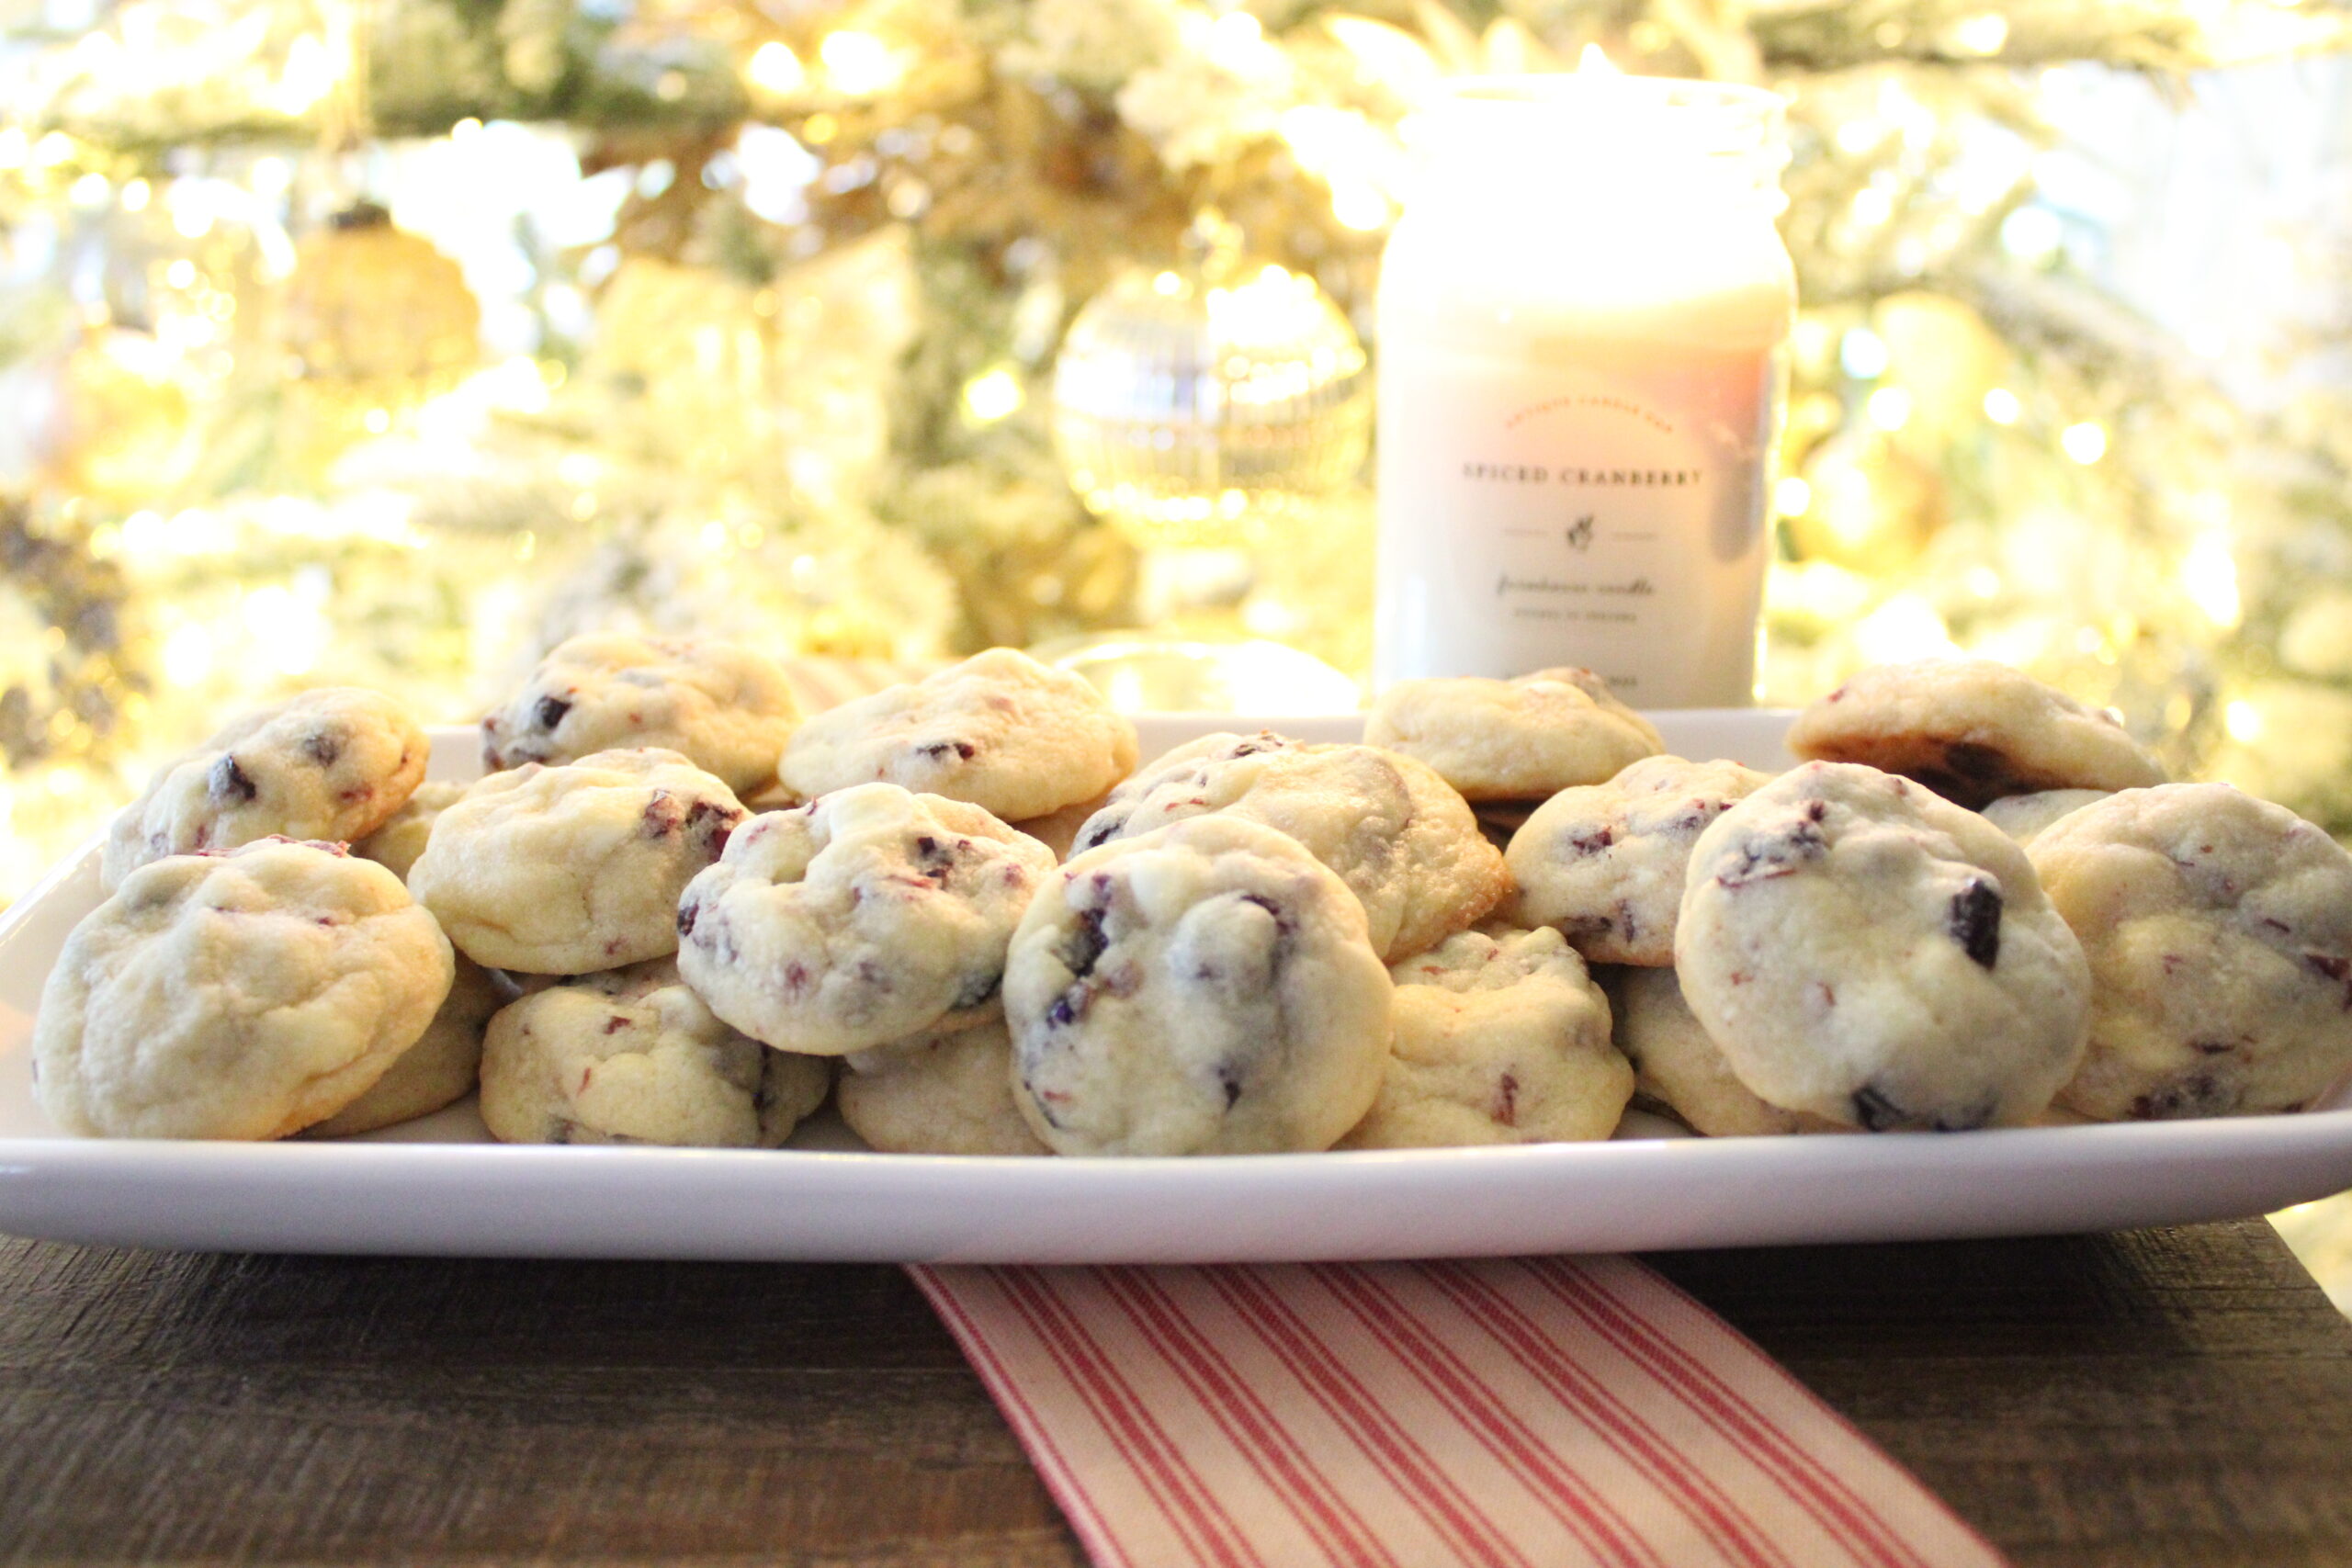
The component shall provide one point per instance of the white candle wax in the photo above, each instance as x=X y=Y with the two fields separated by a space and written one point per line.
x=1580 y=321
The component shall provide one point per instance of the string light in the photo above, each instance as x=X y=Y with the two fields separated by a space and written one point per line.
x=2001 y=406
x=311 y=71
x=1861 y=353
x=2086 y=443
x=858 y=64
x=1234 y=36
x=1982 y=34
x=776 y=70
x=1906 y=627
x=2209 y=575
x=993 y=395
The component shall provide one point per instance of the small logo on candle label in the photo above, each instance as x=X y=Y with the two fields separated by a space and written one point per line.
x=1580 y=533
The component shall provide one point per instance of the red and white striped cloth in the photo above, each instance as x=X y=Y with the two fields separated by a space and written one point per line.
x=1524 y=1413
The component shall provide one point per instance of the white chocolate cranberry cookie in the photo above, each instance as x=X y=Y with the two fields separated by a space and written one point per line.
x=999 y=730
x=1679 y=1066
x=633 y=1056
x=1972 y=730
x=2219 y=929
x=440 y=1069
x=2023 y=816
x=1868 y=952
x=726 y=708
x=329 y=765
x=574 y=869
x=1400 y=837
x=938 y=1093
x=1604 y=863
x=860 y=919
x=238 y=994
x=1519 y=740
x=1501 y=1038
x=396 y=844
x=1204 y=989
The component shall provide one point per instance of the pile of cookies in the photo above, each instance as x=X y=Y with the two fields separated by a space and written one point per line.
x=676 y=911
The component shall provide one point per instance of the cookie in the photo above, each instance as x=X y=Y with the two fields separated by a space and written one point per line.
x=237 y=994
x=857 y=920
x=440 y=1069
x=2023 y=816
x=1604 y=864
x=938 y=1093
x=1866 y=951
x=330 y=765
x=2219 y=929
x=726 y=708
x=1679 y=1066
x=1500 y=1038
x=397 y=843
x=1400 y=837
x=1208 y=988
x=577 y=868
x=1972 y=730
x=999 y=730
x=633 y=1056
x=1524 y=738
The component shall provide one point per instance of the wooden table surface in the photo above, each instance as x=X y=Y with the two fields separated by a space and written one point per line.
x=2175 y=1396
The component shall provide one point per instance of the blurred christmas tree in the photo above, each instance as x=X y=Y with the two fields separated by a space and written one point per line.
x=388 y=338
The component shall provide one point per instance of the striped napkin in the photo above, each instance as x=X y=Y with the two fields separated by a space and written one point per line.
x=1523 y=1412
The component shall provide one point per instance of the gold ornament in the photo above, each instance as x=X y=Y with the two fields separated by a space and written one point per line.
x=1197 y=404
x=374 y=321
x=127 y=428
x=1869 y=506
x=1940 y=353
x=783 y=386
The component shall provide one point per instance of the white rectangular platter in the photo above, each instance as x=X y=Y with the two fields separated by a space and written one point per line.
x=439 y=1185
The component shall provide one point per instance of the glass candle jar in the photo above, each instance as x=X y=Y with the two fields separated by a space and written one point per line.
x=1582 y=314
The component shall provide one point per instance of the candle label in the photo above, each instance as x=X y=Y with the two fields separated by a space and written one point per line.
x=1534 y=516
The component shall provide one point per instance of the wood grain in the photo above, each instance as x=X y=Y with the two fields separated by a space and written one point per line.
x=2179 y=1396
x=2159 y=1397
